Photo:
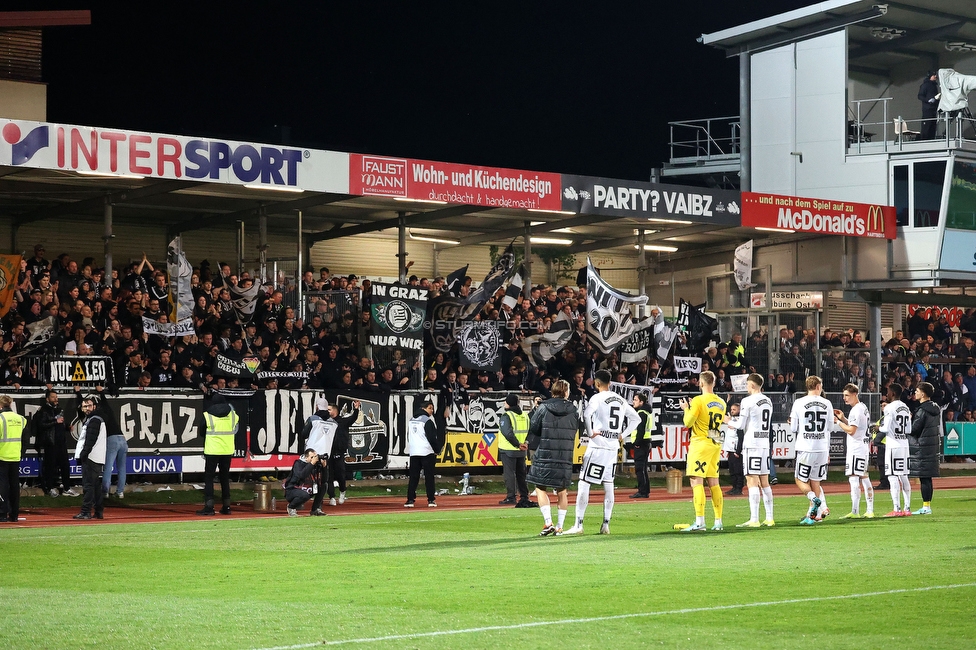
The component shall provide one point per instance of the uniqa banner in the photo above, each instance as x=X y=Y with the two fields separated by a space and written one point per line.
x=398 y=316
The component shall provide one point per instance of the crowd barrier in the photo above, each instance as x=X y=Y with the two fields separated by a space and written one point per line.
x=165 y=436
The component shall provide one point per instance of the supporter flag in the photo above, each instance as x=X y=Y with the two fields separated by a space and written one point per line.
x=494 y=280
x=539 y=348
x=636 y=348
x=514 y=291
x=9 y=274
x=479 y=344
x=454 y=281
x=701 y=328
x=684 y=315
x=608 y=318
x=244 y=300
x=41 y=331
x=180 y=292
x=743 y=266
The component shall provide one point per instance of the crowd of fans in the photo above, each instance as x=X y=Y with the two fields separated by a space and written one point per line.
x=324 y=347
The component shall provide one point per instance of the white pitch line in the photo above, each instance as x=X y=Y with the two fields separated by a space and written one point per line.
x=616 y=617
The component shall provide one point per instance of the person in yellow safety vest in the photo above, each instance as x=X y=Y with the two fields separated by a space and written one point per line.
x=220 y=424
x=11 y=430
x=514 y=429
x=735 y=355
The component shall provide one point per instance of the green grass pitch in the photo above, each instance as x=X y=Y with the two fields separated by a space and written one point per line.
x=421 y=579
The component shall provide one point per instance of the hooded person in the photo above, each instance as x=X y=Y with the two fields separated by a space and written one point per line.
x=220 y=423
x=319 y=434
x=425 y=439
x=340 y=447
x=553 y=428
x=514 y=429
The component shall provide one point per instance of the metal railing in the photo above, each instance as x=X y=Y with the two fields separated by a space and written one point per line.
x=703 y=140
x=896 y=131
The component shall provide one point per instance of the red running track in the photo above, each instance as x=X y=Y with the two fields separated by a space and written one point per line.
x=124 y=513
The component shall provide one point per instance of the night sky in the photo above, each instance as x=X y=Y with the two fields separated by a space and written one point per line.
x=553 y=86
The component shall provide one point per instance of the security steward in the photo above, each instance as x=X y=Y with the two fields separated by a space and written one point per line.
x=220 y=422
x=11 y=431
x=514 y=429
x=640 y=443
x=735 y=355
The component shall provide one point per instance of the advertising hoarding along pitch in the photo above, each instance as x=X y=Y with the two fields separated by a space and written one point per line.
x=821 y=216
x=85 y=149
x=425 y=180
x=620 y=198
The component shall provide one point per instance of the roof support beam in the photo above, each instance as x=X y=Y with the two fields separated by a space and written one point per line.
x=409 y=220
x=809 y=31
x=281 y=207
x=98 y=202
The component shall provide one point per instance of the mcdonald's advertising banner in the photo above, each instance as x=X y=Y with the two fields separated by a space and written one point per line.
x=818 y=216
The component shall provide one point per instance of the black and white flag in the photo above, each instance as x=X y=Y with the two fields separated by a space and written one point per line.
x=702 y=328
x=479 y=343
x=180 y=291
x=637 y=347
x=454 y=281
x=684 y=315
x=609 y=321
x=244 y=300
x=539 y=348
x=513 y=293
x=494 y=280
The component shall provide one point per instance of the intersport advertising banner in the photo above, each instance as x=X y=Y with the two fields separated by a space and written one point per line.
x=620 y=198
x=821 y=216
x=47 y=145
x=427 y=180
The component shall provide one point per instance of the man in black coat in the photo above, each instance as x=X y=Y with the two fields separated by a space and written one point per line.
x=340 y=447
x=927 y=93
x=301 y=472
x=51 y=439
x=553 y=428
x=641 y=445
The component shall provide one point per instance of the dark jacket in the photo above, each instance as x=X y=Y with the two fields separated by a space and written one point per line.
x=926 y=94
x=925 y=440
x=49 y=434
x=300 y=473
x=552 y=436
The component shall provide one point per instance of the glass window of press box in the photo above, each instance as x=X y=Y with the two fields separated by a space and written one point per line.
x=917 y=191
x=961 y=210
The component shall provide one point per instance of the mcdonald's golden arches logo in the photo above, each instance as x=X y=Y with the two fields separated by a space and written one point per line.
x=875 y=221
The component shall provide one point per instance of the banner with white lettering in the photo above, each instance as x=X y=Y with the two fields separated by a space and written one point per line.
x=636 y=348
x=620 y=198
x=79 y=371
x=227 y=367
x=398 y=316
x=687 y=365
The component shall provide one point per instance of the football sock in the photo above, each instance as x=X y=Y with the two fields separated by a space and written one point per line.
x=823 y=501
x=906 y=490
x=811 y=496
x=607 y=501
x=546 y=514
x=754 y=503
x=698 y=498
x=926 y=504
x=717 y=501
x=560 y=518
x=582 y=500
x=894 y=485
x=868 y=492
x=767 y=497
x=855 y=482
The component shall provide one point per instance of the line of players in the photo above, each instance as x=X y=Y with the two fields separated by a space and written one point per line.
x=608 y=419
x=810 y=421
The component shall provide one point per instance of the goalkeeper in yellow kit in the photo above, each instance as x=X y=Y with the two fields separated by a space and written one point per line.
x=703 y=417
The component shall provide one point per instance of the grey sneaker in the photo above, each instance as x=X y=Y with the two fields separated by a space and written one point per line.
x=53 y=493
x=292 y=512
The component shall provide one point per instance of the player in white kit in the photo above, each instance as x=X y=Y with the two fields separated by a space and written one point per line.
x=896 y=423
x=811 y=420
x=607 y=418
x=756 y=412
x=855 y=425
